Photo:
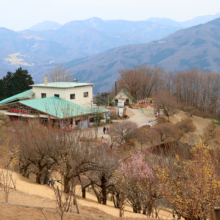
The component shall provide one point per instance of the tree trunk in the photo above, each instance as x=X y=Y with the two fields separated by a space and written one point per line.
x=149 y=209
x=84 y=192
x=103 y=190
x=144 y=210
x=38 y=175
x=25 y=168
x=46 y=176
x=135 y=209
x=116 y=200
x=66 y=184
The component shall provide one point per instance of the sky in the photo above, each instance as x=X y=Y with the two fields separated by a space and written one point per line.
x=22 y=14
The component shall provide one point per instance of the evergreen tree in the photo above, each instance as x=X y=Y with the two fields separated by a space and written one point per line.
x=1 y=89
x=14 y=83
x=7 y=85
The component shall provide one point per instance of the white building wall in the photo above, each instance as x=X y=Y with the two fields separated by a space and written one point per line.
x=50 y=92
x=65 y=94
x=79 y=95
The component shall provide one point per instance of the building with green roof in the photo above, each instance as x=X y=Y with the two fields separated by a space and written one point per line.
x=123 y=97
x=58 y=102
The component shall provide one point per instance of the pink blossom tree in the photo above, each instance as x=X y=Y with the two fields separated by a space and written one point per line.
x=134 y=180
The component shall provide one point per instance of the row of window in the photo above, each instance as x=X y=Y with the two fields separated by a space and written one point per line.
x=72 y=96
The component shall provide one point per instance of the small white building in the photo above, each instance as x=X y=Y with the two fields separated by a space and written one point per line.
x=123 y=98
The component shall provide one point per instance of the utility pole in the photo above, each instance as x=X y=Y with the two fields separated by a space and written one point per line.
x=115 y=88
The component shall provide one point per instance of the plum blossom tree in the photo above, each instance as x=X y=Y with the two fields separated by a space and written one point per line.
x=133 y=175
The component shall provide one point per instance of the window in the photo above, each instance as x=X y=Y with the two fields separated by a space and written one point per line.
x=72 y=96
x=91 y=120
x=43 y=95
x=86 y=94
x=57 y=95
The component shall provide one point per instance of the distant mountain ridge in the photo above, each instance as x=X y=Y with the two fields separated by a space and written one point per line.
x=195 y=47
x=45 y=26
x=95 y=22
x=185 y=24
x=37 y=50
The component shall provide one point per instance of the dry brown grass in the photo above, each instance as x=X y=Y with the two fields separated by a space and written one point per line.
x=16 y=210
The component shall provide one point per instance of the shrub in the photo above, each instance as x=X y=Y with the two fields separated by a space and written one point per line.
x=161 y=120
x=195 y=112
x=185 y=125
x=187 y=120
x=114 y=115
x=188 y=108
x=168 y=132
x=206 y=115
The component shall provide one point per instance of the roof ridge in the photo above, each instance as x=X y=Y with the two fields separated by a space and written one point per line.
x=19 y=95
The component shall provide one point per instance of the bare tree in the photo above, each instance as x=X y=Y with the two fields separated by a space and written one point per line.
x=59 y=74
x=167 y=102
x=140 y=82
x=122 y=132
x=102 y=178
x=7 y=163
x=64 y=200
x=35 y=141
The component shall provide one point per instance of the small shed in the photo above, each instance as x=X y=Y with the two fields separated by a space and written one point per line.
x=124 y=98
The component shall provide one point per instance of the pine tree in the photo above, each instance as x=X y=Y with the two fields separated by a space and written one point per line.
x=14 y=83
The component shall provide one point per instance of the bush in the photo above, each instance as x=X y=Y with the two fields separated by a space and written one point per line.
x=168 y=132
x=188 y=108
x=187 y=120
x=207 y=115
x=185 y=125
x=161 y=120
x=195 y=112
x=113 y=115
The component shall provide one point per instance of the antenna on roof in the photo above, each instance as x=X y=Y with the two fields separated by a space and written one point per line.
x=76 y=80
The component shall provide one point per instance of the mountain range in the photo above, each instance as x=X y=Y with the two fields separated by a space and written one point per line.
x=195 y=47
x=185 y=24
x=45 y=26
x=95 y=49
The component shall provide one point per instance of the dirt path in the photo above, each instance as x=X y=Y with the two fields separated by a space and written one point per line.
x=139 y=117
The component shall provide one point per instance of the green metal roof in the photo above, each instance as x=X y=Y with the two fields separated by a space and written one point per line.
x=59 y=108
x=23 y=95
x=98 y=110
x=62 y=84
x=126 y=93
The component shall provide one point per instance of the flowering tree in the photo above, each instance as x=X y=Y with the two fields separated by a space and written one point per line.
x=134 y=175
x=192 y=187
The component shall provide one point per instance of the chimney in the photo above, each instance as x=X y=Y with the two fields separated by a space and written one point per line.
x=45 y=79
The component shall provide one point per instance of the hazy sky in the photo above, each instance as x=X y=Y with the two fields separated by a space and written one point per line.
x=22 y=14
